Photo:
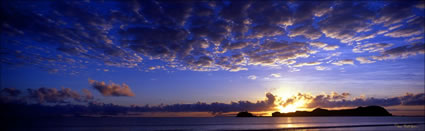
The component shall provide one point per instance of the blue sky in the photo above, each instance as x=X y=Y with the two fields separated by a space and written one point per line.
x=162 y=52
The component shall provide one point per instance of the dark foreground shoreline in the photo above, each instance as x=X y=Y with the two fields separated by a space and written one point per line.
x=216 y=123
x=403 y=125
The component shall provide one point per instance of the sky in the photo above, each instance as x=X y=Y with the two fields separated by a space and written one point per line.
x=214 y=57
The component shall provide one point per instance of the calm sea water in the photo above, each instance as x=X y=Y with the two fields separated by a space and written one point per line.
x=219 y=123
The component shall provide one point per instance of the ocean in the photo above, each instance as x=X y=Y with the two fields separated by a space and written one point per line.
x=216 y=123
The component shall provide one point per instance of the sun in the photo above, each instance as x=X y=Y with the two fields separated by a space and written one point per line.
x=286 y=109
x=297 y=105
x=287 y=93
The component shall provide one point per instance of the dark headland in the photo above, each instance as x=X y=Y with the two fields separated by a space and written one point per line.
x=359 y=111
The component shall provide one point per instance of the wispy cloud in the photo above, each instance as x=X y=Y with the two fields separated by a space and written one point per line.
x=276 y=75
x=364 y=60
x=324 y=46
x=402 y=52
x=307 y=64
x=371 y=47
x=252 y=77
x=344 y=62
x=321 y=68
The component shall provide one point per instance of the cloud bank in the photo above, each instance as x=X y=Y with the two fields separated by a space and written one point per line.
x=45 y=95
x=270 y=103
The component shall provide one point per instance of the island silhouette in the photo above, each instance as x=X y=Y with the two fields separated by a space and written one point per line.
x=244 y=114
x=359 y=111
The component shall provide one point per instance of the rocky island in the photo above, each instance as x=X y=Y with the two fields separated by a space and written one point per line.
x=244 y=114
x=360 y=111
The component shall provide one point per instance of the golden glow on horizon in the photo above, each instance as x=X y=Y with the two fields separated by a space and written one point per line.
x=297 y=105
x=284 y=94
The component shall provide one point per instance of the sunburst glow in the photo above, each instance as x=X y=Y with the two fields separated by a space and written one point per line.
x=297 y=105
x=285 y=94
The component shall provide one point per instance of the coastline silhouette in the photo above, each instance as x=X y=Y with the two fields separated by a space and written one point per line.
x=359 y=111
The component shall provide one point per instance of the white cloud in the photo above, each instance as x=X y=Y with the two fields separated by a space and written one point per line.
x=252 y=77
x=321 y=68
x=307 y=64
x=344 y=62
x=331 y=47
x=111 y=89
x=275 y=75
x=318 y=44
x=332 y=55
x=364 y=60
x=407 y=32
x=324 y=46
x=395 y=27
x=371 y=47
x=416 y=38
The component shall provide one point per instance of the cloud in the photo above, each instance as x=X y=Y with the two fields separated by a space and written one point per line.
x=236 y=11
x=52 y=95
x=87 y=94
x=318 y=44
x=401 y=52
x=307 y=64
x=413 y=99
x=344 y=62
x=154 y=67
x=414 y=27
x=10 y=92
x=98 y=108
x=405 y=32
x=346 y=20
x=252 y=77
x=364 y=60
x=281 y=16
x=371 y=47
x=94 y=37
x=236 y=45
x=321 y=68
x=331 y=47
x=69 y=42
x=343 y=100
x=332 y=100
x=261 y=31
x=197 y=36
x=276 y=75
x=215 y=107
x=395 y=27
x=307 y=31
x=324 y=46
x=111 y=89
x=420 y=5
x=394 y=13
x=273 y=53
x=331 y=55
x=44 y=95
x=415 y=38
